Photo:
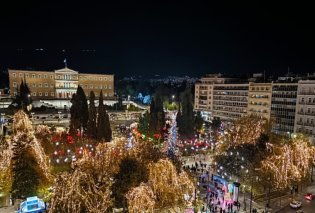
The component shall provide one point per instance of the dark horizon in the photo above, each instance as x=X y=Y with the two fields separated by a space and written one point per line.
x=158 y=37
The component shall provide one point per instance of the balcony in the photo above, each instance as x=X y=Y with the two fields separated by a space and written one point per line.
x=307 y=113
x=305 y=124
x=306 y=93
x=306 y=103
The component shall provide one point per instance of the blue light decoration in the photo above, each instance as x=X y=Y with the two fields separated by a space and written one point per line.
x=32 y=204
x=146 y=99
x=140 y=97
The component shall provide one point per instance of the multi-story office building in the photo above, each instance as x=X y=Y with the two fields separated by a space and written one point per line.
x=204 y=96
x=230 y=101
x=305 y=108
x=259 y=99
x=283 y=104
x=60 y=84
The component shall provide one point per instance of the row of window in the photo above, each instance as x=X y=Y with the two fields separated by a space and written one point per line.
x=39 y=94
x=91 y=86
x=259 y=88
x=96 y=78
x=34 y=85
x=27 y=75
x=61 y=77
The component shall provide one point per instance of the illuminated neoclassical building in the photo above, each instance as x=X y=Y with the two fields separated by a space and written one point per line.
x=61 y=84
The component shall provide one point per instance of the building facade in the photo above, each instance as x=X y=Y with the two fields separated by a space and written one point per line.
x=305 y=108
x=60 y=84
x=283 y=105
x=259 y=99
x=230 y=101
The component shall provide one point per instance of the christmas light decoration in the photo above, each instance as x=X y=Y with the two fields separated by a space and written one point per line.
x=290 y=162
x=141 y=199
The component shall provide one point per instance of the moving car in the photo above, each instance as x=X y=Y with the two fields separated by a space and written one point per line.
x=295 y=204
x=309 y=196
x=32 y=205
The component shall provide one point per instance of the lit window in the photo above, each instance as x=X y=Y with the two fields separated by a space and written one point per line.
x=14 y=75
x=45 y=76
x=100 y=78
x=14 y=84
x=15 y=93
x=27 y=75
x=109 y=87
x=46 y=93
x=34 y=93
x=40 y=94
x=21 y=75
x=33 y=75
x=105 y=78
x=39 y=85
x=46 y=85
x=51 y=77
x=105 y=94
x=105 y=87
x=39 y=75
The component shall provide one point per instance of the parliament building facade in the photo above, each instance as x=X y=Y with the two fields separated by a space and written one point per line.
x=60 y=84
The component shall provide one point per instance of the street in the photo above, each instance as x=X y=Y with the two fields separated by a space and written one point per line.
x=307 y=206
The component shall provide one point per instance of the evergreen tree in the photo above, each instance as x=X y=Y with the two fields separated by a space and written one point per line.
x=91 y=126
x=104 y=131
x=157 y=115
x=23 y=98
x=144 y=123
x=186 y=127
x=198 y=121
x=79 y=112
x=29 y=168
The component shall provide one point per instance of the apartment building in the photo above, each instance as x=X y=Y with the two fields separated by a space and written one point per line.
x=259 y=99
x=230 y=101
x=305 y=108
x=204 y=90
x=283 y=104
x=60 y=84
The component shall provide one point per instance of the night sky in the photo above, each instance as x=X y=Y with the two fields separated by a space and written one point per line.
x=158 y=37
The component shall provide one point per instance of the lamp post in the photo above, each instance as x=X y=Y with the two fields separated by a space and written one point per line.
x=251 y=194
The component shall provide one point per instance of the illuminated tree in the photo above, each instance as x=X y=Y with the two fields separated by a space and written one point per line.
x=44 y=136
x=141 y=199
x=289 y=163
x=29 y=162
x=170 y=187
x=245 y=130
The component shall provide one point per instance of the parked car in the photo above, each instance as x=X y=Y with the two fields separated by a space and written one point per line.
x=309 y=196
x=299 y=211
x=295 y=204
